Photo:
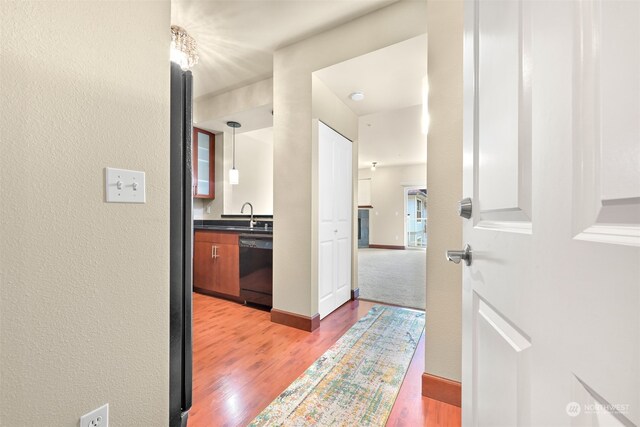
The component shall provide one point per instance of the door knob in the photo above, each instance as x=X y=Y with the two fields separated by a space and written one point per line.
x=464 y=208
x=457 y=256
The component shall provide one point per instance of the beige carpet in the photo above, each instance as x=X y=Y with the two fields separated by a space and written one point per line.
x=393 y=276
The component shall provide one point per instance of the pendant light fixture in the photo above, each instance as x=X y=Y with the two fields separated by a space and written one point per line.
x=234 y=175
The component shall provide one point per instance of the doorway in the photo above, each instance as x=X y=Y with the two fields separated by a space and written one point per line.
x=391 y=208
x=415 y=202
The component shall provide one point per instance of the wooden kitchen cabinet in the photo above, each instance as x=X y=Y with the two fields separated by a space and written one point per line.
x=216 y=263
x=203 y=154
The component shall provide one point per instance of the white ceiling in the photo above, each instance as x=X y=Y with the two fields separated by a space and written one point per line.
x=236 y=38
x=255 y=118
x=264 y=135
x=392 y=138
x=390 y=78
x=390 y=116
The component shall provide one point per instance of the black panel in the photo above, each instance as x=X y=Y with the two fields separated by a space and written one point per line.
x=256 y=269
x=180 y=248
x=187 y=223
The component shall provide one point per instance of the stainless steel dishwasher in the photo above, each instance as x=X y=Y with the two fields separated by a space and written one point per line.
x=256 y=268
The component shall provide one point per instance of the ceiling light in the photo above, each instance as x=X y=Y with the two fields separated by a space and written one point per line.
x=184 y=51
x=373 y=166
x=234 y=174
x=357 y=96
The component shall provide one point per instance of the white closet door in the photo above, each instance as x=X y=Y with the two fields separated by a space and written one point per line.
x=334 y=219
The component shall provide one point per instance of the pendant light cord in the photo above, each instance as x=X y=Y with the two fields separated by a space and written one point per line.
x=234 y=148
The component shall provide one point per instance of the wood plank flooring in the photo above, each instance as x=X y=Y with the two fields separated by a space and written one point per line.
x=242 y=362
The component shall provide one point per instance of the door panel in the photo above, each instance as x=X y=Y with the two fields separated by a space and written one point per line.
x=606 y=125
x=620 y=99
x=343 y=261
x=326 y=224
x=335 y=209
x=203 y=149
x=326 y=172
x=551 y=301
x=503 y=150
x=499 y=146
x=325 y=272
x=227 y=266
x=343 y=182
x=344 y=217
x=502 y=352
x=216 y=266
x=203 y=266
x=498 y=104
x=497 y=378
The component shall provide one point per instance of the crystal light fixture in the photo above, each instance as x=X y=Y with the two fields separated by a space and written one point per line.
x=184 y=51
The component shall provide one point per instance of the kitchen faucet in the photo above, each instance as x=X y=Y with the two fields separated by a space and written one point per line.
x=251 y=221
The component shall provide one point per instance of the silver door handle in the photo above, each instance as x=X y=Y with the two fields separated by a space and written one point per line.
x=465 y=208
x=214 y=252
x=457 y=256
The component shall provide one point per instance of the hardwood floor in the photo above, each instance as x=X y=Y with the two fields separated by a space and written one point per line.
x=242 y=361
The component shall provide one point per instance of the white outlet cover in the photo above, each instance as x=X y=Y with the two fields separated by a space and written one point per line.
x=96 y=418
x=124 y=186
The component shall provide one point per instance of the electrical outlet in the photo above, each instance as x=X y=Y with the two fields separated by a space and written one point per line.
x=96 y=418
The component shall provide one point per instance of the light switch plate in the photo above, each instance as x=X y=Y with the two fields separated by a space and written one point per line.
x=124 y=186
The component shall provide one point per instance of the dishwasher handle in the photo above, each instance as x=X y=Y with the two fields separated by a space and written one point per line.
x=254 y=243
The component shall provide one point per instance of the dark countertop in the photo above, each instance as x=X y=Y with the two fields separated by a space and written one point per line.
x=233 y=226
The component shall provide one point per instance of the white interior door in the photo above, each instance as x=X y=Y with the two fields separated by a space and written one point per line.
x=335 y=203
x=551 y=301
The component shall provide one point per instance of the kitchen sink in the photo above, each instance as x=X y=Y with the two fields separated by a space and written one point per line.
x=239 y=228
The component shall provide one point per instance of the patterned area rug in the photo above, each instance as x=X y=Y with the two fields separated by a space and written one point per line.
x=355 y=382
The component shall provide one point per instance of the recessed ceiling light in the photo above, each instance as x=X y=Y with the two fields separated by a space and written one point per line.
x=357 y=96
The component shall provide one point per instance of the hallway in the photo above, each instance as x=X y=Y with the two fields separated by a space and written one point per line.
x=242 y=361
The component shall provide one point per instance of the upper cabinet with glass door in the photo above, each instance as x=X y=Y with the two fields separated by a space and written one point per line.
x=203 y=164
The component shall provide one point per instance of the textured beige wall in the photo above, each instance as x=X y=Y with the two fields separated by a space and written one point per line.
x=215 y=106
x=387 y=218
x=444 y=183
x=84 y=307
x=254 y=160
x=328 y=108
x=332 y=111
x=293 y=66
